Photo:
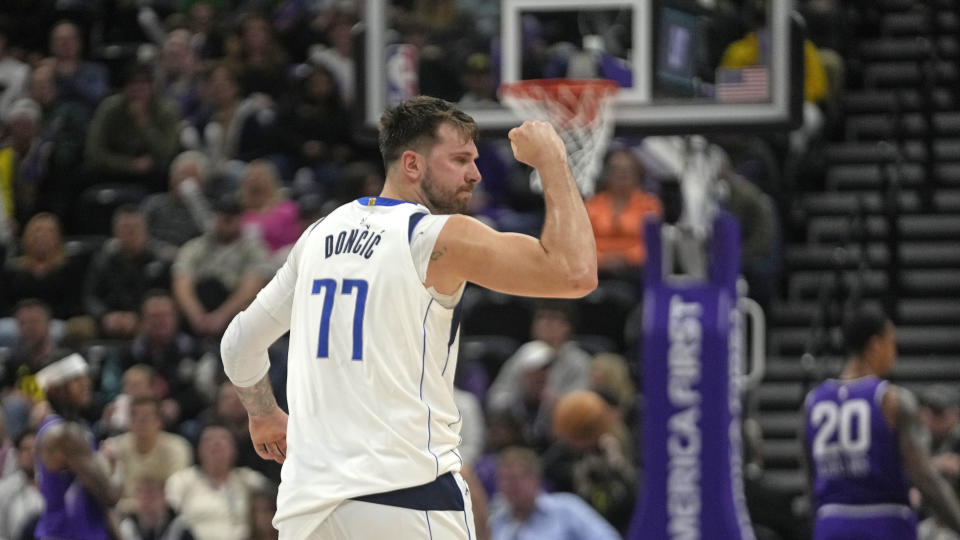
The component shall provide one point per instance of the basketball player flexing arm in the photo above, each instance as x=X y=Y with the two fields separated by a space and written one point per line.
x=370 y=295
x=863 y=440
x=77 y=492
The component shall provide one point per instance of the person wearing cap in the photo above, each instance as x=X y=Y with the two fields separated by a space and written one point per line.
x=70 y=476
x=134 y=133
x=551 y=362
x=219 y=273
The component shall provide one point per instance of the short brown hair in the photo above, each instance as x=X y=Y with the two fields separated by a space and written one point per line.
x=522 y=457
x=414 y=123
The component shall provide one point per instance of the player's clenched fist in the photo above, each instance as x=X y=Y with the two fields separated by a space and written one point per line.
x=537 y=144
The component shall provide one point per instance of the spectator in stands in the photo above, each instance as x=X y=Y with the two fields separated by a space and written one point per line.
x=128 y=266
x=316 y=125
x=268 y=215
x=64 y=127
x=44 y=270
x=35 y=348
x=759 y=233
x=617 y=213
x=593 y=456
x=181 y=213
x=771 y=507
x=358 y=179
x=551 y=360
x=263 y=505
x=523 y=510
x=133 y=134
x=503 y=431
x=151 y=517
x=754 y=50
x=611 y=378
x=941 y=414
x=139 y=382
x=20 y=501
x=259 y=61
x=228 y=127
x=177 y=75
x=478 y=82
x=228 y=411
x=338 y=57
x=145 y=449
x=8 y=452
x=526 y=400
x=13 y=72
x=77 y=79
x=22 y=164
x=171 y=353
x=202 y=19
x=218 y=274
x=214 y=495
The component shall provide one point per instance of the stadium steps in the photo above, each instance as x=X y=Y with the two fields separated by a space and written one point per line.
x=917 y=227
x=914 y=254
x=906 y=74
x=911 y=340
x=882 y=126
x=847 y=203
x=916 y=23
x=886 y=123
x=876 y=100
x=906 y=48
x=874 y=152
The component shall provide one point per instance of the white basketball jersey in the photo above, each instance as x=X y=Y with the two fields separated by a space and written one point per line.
x=371 y=361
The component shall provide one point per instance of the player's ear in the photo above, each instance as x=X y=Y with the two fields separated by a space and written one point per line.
x=412 y=164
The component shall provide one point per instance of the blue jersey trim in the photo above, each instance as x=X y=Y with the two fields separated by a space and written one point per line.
x=442 y=494
x=423 y=369
x=414 y=220
x=315 y=223
x=466 y=524
x=454 y=327
x=381 y=201
x=429 y=529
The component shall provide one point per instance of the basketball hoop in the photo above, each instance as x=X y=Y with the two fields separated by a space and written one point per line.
x=580 y=111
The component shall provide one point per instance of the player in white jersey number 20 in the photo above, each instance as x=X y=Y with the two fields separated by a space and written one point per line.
x=370 y=296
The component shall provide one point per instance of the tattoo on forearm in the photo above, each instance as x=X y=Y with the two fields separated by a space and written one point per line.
x=438 y=253
x=258 y=399
x=937 y=494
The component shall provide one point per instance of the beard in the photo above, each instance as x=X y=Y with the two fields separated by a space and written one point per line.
x=443 y=200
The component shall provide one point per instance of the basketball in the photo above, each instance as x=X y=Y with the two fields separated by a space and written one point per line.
x=580 y=417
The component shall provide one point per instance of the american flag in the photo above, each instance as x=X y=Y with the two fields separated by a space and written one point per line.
x=742 y=84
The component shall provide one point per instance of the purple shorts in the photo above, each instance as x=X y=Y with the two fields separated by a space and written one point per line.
x=850 y=526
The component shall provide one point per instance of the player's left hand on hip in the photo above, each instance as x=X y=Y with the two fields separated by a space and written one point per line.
x=269 y=435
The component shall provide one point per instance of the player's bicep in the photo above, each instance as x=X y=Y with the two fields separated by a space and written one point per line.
x=468 y=250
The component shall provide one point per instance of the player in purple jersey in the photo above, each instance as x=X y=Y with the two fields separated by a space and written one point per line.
x=865 y=444
x=73 y=482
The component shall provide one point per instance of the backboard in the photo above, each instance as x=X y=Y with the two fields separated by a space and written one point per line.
x=668 y=56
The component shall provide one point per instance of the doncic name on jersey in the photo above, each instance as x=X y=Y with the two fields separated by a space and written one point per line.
x=356 y=241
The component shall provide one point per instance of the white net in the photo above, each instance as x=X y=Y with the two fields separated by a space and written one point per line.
x=581 y=112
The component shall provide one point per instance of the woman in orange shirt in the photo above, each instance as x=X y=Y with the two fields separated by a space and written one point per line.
x=617 y=213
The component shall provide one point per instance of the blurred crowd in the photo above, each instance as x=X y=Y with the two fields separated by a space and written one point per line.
x=157 y=160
